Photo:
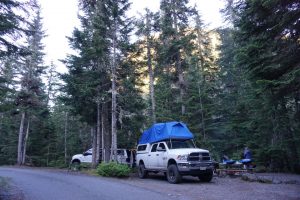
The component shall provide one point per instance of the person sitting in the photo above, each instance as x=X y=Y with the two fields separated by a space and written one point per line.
x=247 y=156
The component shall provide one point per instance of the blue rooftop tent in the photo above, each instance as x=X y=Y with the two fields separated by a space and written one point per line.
x=164 y=131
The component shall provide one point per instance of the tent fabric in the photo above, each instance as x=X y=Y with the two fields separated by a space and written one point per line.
x=163 y=131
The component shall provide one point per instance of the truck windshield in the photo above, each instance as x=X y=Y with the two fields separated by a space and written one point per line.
x=180 y=144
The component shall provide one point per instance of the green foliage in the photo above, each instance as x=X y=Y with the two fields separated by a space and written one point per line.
x=60 y=163
x=113 y=169
x=13 y=23
x=78 y=137
x=89 y=79
x=8 y=141
x=260 y=92
x=249 y=97
x=269 y=57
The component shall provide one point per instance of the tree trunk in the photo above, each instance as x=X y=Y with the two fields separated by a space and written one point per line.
x=106 y=133
x=50 y=79
x=181 y=85
x=25 y=142
x=151 y=75
x=20 y=141
x=65 y=137
x=201 y=82
x=290 y=135
x=98 y=134
x=102 y=136
x=202 y=113
x=48 y=154
x=94 y=148
x=114 y=99
x=274 y=122
x=179 y=66
x=297 y=105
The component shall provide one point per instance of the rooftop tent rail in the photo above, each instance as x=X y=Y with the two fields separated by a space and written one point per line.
x=163 y=131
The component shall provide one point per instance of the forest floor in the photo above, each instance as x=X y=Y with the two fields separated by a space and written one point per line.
x=282 y=186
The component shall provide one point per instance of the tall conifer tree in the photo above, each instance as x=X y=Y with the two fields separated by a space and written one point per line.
x=31 y=98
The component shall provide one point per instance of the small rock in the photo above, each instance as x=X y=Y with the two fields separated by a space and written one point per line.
x=276 y=181
x=265 y=179
x=291 y=182
x=249 y=177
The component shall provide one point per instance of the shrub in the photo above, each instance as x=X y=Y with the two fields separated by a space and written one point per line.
x=59 y=163
x=113 y=169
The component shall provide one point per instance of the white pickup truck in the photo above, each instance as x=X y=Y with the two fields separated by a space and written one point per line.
x=174 y=157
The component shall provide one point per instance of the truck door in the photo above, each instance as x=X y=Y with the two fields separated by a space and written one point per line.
x=161 y=156
x=87 y=156
x=152 y=157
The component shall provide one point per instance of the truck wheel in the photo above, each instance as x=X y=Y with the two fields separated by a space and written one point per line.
x=75 y=166
x=142 y=171
x=173 y=175
x=206 y=177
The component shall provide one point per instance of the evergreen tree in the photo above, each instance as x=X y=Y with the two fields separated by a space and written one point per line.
x=31 y=98
x=202 y=77
x=13 y=26
x=66 y=140
x=8 y=84
x=8 y=111
x=267 y=34
x=176 y=41
x=147 y=27
x=87 y=81
x=103 y=59
x=120 y=28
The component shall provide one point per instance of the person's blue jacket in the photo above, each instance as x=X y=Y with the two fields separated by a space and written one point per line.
x=247 y=154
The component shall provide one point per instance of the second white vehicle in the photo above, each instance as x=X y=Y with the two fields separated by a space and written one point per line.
x=86 y=157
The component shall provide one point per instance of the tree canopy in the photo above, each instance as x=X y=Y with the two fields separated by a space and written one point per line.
x=233 y=86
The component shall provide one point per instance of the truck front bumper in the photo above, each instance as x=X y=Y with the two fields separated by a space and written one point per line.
x=195 y=168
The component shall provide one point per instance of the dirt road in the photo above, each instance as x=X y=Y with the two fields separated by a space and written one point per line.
x=45 y=184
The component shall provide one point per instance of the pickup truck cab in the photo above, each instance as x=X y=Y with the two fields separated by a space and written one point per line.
x=85 y=157
x=175 y=158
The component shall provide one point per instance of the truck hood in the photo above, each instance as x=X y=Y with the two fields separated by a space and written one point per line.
x=187 y=151
x=77 y=156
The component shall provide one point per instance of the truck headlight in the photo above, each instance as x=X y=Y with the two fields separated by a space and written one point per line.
x=182 y=157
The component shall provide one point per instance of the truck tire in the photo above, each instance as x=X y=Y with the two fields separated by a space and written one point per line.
x=142 y=171
x=75 y=165
x=206 y=177
x=173 y=175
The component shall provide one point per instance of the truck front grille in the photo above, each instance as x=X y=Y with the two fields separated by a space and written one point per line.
x=196 y=156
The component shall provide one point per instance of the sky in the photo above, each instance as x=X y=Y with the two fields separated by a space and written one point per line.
x=60 y=18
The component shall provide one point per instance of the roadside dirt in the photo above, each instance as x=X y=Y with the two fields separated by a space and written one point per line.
x=8 y=191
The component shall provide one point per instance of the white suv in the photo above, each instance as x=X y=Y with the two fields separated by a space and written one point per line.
x=176 y=158
x=122 y=157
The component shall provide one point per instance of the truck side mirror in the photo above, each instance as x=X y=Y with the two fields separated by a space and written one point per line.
x=160 y=149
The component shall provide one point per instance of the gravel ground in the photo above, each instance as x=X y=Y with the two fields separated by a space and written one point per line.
x=8 y=191
x=224 y=188
x=231 y=188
